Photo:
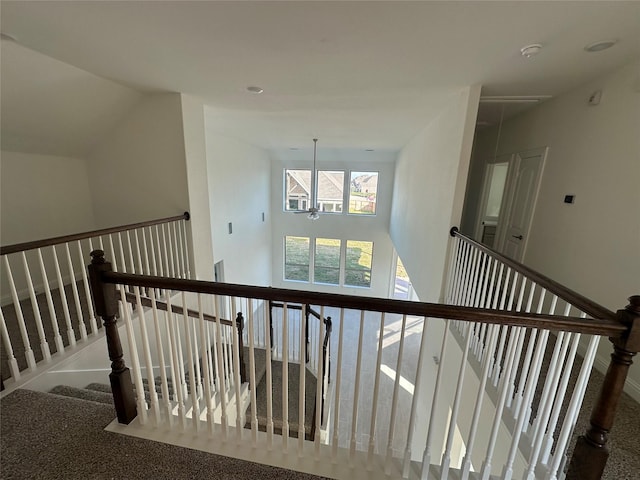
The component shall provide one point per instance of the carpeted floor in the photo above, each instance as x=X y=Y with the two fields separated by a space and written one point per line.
x=64 y=439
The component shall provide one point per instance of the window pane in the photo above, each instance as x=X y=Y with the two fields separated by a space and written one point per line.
x=296 y=258
x=363 y=189
x=327 y=261
x=330 y=190
x=358 y=263
x=297 y=189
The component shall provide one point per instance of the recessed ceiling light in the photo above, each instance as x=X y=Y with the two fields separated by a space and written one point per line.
x=254 y=89
x=600 y=45
x=369 y=150
x=530 y=50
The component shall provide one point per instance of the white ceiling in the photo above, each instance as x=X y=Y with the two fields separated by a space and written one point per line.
x=355 y=74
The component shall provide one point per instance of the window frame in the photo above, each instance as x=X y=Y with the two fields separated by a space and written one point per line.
x=375 y=202
x=285 y=264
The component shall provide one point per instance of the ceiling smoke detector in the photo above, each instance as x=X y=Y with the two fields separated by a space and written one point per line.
x=600 y=45
x=530 y=50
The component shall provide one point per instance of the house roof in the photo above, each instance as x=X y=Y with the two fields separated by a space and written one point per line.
x=355 y=74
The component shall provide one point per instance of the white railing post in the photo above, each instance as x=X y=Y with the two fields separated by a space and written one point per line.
x=44 y=345
x=374 y=400
x=57 y=338
x=28 y=352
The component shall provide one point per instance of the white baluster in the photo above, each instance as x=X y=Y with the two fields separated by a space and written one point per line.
x=336 y=413
x=130 y=252
x=191 y=359
x=71 y=336
x=301 y=392
x=394 y=401
x=374 y=401
x=137 y=252
x=135 y=362
x=507 y=472
x=220 y=361
x=145 y=253
x=11 y=360
x=31 y=361
x=206 y=354
x=466 y=462
x=44 y=345
x=170 y=251
x=164 y=385
x=76 y=297
x=113 y=255
x=446 y=456
x=356 y=391
x=574 y=406
x=562 y=390
x=426 y=456
x=268 y=379
x=252 y=373
x=285 y=378
x=417 y=382
x=165 y=250
x=146 y=352
x=319 y=385
x=546 y=403
x=87 y=291
x=185 y=251
x=176 y=358
x=237 y=381
x=451 y=270
x=497 y=419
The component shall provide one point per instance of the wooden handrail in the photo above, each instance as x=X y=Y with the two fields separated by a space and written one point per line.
x=579 y=301
x=147 y=302
x=20 y=247
x=599 y=326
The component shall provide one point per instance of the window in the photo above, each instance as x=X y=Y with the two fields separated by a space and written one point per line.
x=297 y=189
x=296 y=258
x=329 y=258
x=363 y=189
x=326 y=268
x=357 y=269
x=330 y=191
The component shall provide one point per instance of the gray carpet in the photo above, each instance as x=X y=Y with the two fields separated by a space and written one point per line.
x=45 y=436
x=293 y=396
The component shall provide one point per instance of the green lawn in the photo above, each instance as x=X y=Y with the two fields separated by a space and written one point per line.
x=327 y=261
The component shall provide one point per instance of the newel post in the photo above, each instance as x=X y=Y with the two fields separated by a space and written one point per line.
x=591 y=451
x=240 y=327
x=106 y=305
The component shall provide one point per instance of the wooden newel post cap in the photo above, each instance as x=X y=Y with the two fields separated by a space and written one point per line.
x=630 y=317
x=97 y=257
x=104 y=294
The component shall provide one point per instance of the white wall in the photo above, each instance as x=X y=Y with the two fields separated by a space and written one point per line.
x=43 y=196
x=239 y=180
x=338 y=226
x=137 y=172
x=428 y=193
x=590 y=246
x=201 y=253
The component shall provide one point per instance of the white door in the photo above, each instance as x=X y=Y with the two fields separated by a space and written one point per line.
x=522 y=195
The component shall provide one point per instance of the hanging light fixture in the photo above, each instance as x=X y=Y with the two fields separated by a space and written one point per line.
x=313 y=212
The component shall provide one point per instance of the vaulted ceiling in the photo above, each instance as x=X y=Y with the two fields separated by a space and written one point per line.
x=356 y=74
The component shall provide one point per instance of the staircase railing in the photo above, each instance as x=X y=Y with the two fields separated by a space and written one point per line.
x=46 y=303
x=514 y=397
x=312 y=338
